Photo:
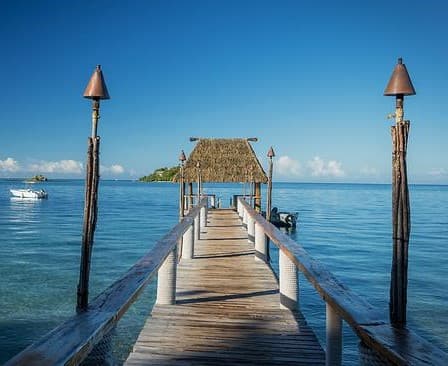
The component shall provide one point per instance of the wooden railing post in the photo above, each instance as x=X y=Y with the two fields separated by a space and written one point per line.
x=250 y=229
x=166 y=280
x=197 y=228
x=333 y=356
x=203 y=216
x=188 y=243
x=288 y=283
x=261 y=244
x=239 y=208
x=245 y=215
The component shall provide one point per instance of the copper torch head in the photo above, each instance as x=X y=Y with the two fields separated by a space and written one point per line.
x=96 y=88
x=400 y=83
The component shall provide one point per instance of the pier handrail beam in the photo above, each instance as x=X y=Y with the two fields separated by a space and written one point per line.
x=397 y=346
x=72 y=341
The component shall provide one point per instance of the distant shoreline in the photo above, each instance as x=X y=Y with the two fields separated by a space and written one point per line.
x=275 y=182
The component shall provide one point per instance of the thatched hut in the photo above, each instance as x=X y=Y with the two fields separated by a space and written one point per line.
x=225 y=161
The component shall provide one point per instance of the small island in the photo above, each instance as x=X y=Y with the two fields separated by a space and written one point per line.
x=161 y=175
x=37 y=178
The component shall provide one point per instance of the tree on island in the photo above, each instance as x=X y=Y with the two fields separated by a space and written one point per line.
x=161 y=175
x=38 y=178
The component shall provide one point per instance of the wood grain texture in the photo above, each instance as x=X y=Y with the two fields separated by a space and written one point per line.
x=227 y=310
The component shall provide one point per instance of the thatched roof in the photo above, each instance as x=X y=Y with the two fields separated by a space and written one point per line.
x=224 y=160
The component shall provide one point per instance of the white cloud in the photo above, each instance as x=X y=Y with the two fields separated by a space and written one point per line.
x=438 y=172
x=287 y=166
x=319 y=168
x=9 y=165
x=113 y=169
x=62 y=166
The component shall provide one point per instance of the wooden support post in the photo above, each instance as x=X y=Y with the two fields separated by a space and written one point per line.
x=261 y=243
x=190 y=190
x=333 y=356
x=269 y=190
x=181 y=193
x=166 y=280
x=257 y=201
x=90 y=218
x=188 y=243
x=250 y=229
x=197 y=228
x=288 y=283
x=401 y=219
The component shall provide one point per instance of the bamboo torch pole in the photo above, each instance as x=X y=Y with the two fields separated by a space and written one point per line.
x=271 y=154
x=399 y=85
x=95 y=90
x=182 y=159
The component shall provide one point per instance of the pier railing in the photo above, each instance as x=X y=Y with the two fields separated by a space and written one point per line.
x=380 y=342
x=72 y=341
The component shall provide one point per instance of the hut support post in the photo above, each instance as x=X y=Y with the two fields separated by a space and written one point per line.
x=258 y=197
x=190 y=189
x=260 y=243
x=188 y=243
x=401 y=221
x=333 y=354
x=288 y=283
x=166 y=280
x=90 y=210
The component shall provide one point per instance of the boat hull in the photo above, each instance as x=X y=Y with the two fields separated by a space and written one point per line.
x=29 y=193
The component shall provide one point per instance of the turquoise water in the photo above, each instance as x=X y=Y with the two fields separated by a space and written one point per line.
x=345 y=226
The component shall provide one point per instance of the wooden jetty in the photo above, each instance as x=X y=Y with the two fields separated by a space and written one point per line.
x=218 y=301
x=227 y=309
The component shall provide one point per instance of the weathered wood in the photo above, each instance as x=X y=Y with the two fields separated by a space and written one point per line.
x=190 y=192
x=257 y=200
x=71 y=342
x=269 y=193
x=89 y=223
x=401 y=345
x=395 y=345
x=401 y=223
x=227 y=310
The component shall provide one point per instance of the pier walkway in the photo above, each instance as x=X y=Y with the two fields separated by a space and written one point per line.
x=227 y=309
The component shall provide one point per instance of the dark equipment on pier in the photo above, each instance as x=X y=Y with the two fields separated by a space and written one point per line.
x=96 y=90
x=399 y=85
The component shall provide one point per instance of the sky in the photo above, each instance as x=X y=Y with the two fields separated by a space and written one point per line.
x=306 y=77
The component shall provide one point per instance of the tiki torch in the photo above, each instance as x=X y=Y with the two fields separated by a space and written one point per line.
x=96 y=90
x=399 y=85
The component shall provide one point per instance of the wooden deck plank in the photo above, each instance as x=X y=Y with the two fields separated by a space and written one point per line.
x=227 y=310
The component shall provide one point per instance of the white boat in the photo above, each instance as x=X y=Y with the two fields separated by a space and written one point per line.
x=29 y=193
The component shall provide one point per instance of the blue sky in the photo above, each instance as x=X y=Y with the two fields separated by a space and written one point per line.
x=306 y=77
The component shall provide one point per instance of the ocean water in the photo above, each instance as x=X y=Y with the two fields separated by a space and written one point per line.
x=346 y=226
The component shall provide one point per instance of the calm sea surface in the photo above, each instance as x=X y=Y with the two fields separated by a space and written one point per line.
x=345 y=226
